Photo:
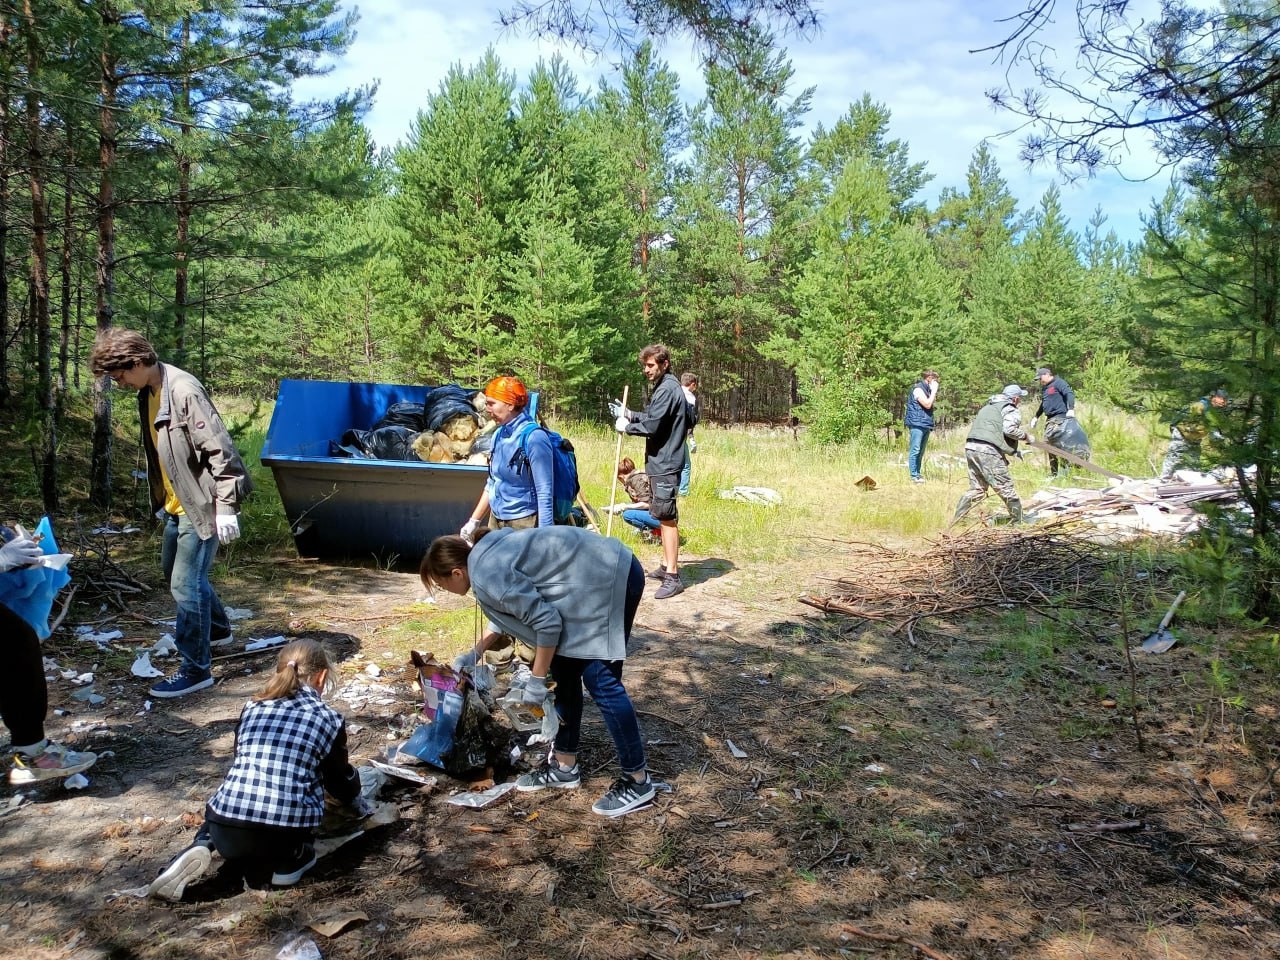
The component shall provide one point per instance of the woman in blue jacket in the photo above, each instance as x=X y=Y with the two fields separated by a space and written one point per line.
x=572 y=595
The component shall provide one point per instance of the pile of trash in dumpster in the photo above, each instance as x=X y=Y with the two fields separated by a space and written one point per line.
x=449 y=427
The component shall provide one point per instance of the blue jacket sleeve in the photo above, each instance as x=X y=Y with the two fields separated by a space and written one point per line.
x=542 y=466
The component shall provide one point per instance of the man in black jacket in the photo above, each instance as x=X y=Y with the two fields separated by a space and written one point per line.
x=1057 y=405
x=664 y=423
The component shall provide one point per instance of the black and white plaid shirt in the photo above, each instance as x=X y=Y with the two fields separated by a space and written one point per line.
x=283 y=748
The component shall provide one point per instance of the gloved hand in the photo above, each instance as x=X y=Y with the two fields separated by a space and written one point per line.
x=616 y=409
x=1030 y=437
x=468 y=531
x=22 y=552
x=228 y=527
x=1071 y=414
x=162 y=515
x=693 y=445
x=465 y=662
x=535 y=691
x=620 y=424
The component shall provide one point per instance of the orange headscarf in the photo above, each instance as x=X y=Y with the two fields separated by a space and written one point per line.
x=509 y=390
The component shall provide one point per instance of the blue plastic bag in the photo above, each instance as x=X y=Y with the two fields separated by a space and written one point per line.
x=30 y=591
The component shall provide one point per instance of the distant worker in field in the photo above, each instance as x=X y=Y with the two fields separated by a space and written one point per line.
x=521 y=486
x=1057 y=406
x=689 y=384
x=919 y=421
x=664 y=423
x=992 y=440
x=197 y=483
x=1194 y=422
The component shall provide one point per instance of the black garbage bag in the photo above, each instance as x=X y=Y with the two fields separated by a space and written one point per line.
x=1073 y=439
x=445 y=402
x=391 y=443
x=403 y=414
x=354 y=442
x=352 y=452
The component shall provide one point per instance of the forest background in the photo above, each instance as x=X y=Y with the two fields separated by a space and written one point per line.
x=157 y=170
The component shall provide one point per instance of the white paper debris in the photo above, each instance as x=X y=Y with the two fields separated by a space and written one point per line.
x=165 y=646
x=373 y=670
x=302 y=948
x=238 y=613
x=873 y=768
x=77 y=678
x=264 y=643
x=736 y=750
x=76 y=782
x=100 y=638
x=142 y=667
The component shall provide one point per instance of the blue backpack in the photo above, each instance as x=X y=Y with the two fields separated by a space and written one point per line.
x=565 y=486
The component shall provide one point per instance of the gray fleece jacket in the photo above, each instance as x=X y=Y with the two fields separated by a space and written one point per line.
x=560 y=586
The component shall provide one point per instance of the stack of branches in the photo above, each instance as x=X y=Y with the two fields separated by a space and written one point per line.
x=982 y=570
x=96 y=577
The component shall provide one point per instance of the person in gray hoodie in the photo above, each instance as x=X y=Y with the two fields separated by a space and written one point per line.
x=572 y=595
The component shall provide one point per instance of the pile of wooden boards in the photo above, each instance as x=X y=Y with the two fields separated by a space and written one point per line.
x=1136 y=506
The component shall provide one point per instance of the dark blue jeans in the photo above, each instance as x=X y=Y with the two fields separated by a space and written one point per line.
x=186 y=560
x=915 y=452
x=603 y=680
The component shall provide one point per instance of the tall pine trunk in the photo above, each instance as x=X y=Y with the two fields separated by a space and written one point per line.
x=108 y=83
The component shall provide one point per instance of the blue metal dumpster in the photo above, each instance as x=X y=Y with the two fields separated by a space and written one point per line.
x=341 y=508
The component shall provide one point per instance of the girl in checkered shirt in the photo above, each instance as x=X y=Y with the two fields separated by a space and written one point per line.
x=290 y=749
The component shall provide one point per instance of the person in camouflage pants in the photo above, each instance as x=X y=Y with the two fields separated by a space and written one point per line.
x=993 y=438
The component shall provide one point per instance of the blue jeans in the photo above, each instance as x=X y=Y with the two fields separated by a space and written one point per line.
x=186 y=560
x=915 y=452
x=685 y=472
x=641 y=519
x=603 y=679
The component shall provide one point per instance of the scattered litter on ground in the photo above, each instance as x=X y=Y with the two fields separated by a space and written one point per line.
x=109 y=531
x=478 y=800
x=737 y=751
x=333 y=925
x=101 y=638
x=265 y=643
x=1137 y=506
x=77 y=678
x=77 y=781
x=300 y=948
x=86 y=695
x=761 y=496
x=142 y=667
x=404 y=773
x=165 y=646
x=238 y=613
x=13 y=803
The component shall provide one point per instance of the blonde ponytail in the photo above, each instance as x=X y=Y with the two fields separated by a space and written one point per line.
x=299 y=663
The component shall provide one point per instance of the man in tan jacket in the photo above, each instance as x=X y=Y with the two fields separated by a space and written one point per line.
x=197 y=482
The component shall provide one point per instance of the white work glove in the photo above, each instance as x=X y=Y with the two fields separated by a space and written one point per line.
x=616 y=409
x=465 y=662
x=535 y=691
x=1030 y=437
x=693 y=445
x=162 y=515
x=22 y=552
x=468 y=533
x=621 y=424
x=228 y=527
x=1071 y=414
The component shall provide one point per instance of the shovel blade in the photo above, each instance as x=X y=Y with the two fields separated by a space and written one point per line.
x=1159 y=642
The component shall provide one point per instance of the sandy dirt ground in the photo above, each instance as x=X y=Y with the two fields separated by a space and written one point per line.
x=837 y=791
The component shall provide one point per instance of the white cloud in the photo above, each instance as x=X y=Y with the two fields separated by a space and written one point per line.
x=912 y=56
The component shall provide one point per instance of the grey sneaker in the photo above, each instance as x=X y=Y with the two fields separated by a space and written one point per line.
x=625 y=796
x=671 y=585
x=658 y=572
x=190 y=865
x=550 y=776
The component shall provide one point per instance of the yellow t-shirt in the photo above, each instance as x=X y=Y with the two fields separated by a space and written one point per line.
x=171 y=504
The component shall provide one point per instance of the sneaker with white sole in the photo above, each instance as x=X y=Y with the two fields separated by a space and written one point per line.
x=186 y=680
x=54 y=760
x=670 y=586
x=625 y=796
x=226 y=641
x=552 y=775
x=190 y=865
x=291 y=871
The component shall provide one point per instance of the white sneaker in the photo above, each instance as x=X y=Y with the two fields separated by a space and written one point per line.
x=190 y=865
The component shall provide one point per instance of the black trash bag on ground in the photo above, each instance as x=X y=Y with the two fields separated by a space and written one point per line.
x=1073 y=439
x=445 y=402
x=391 y=443
x=480 y=741
x=403 y=414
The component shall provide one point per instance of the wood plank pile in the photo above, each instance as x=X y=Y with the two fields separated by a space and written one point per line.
x=1136 y=506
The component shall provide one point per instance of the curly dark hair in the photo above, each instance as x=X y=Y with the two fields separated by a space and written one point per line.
x=119 y=349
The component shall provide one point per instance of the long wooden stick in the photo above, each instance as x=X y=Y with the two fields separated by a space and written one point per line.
x=617 y=459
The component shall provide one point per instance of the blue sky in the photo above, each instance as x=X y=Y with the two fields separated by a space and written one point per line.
x=910 y=55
